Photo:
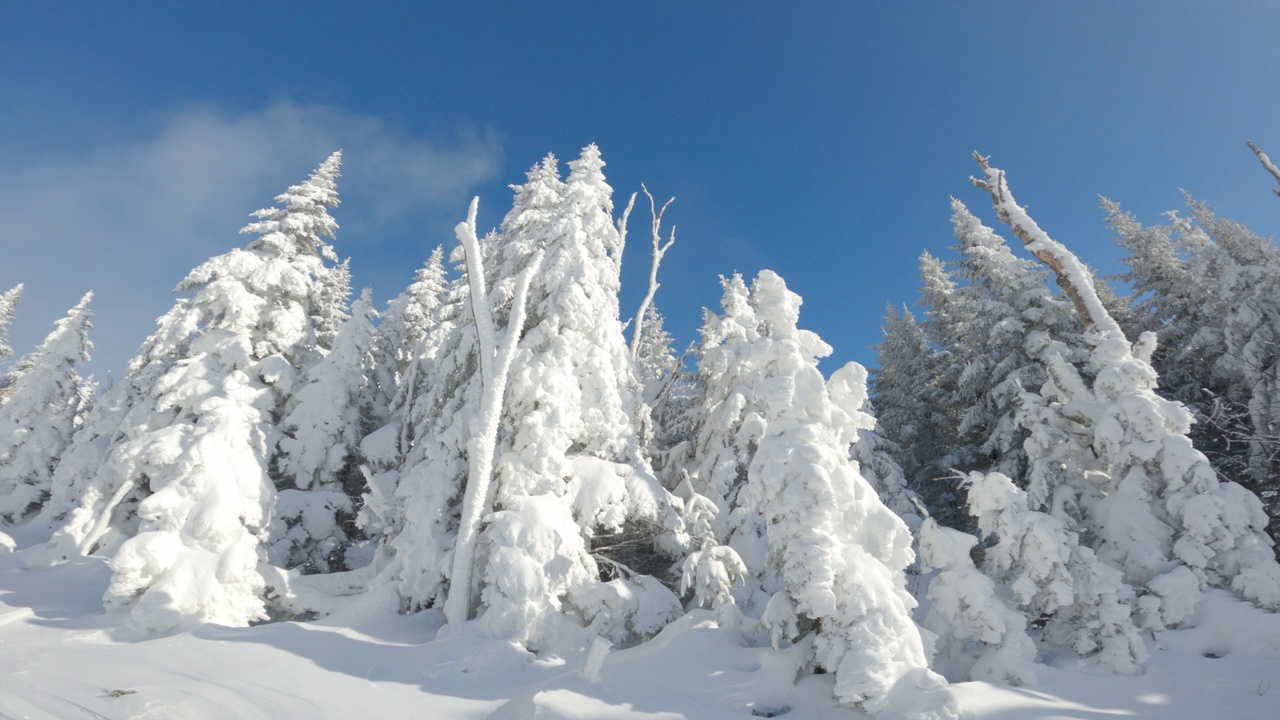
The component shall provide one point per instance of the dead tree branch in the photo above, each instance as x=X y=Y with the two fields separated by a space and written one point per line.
x=1266 y=164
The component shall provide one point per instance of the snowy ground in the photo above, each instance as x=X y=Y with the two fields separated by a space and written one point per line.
x=62 y=657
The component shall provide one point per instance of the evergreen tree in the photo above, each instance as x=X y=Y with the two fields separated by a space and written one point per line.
x=1059 y=583
x=917 y=414
x=43 y=410
x=966 y=608
x=185 y=476
x=1162 y=505
x=819 y=547
x=8 y=303
x=319 y=452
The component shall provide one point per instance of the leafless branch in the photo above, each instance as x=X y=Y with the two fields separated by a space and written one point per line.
x=1266 y=163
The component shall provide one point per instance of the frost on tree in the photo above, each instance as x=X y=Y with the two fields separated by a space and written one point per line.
x=182 y=494
x=1006 y=301
x=1208 y=287
x=966 y=609
x=914 y=412
x=572 y=410
x=8 y=304
x=848 y=389
x=319 y=452
x=820 y=548
x=1162 y=509
x=43 y=410
x=568 y=476
x=1058 y=583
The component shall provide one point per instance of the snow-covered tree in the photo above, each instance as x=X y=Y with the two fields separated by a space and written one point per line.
x=848 y=389
x=820 y=548
x=967 y=608
x=1058 y=583
x=185 y=479
x=916 y=413
x=319 y=453
x=573 y=409
x=570 y=483
x=8 y=304
x=1162 y=505
x=43 y=410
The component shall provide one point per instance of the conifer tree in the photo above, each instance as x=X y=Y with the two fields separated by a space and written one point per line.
x=966 y=608
x=43 y=410
x=8 y=303
x=917 y=413
x=185 y=477
x=818 y=545
x=319 y=451
x=1163 y=510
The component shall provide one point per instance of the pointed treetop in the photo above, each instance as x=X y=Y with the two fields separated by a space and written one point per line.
x=303 y=218
x=8 y=303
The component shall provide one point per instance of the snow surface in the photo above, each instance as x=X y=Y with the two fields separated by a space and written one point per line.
x=62 y=657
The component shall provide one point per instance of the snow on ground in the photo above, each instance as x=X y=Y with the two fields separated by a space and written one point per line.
x=62 y=657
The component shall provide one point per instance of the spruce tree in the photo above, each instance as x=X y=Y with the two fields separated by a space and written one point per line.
x=44 y=408
x=185 y=480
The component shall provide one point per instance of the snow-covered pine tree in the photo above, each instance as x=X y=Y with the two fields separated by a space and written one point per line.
x=406 y=322
x=44 y=408
x=8 y=304
x=1177 y=518
x=184 y=476
x=1005 y=301
x=569 y=474
x=319 y=452
x=916 y=413
x=573 y=486
x=1059 y=584
x=1193 y=278
x=820 y=548
x=848 y=389
x=966 y=608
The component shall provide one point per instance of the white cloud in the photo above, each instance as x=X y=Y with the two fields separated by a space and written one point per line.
x=129 y=220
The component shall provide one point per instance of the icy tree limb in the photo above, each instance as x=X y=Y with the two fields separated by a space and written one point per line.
x=622 y=237
x=466 y=233
x=1266 y=163
x=658 y=251
x=480 y=448
x=1073 y=276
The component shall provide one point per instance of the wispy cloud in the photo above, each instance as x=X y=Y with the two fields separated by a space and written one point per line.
x=129 y=220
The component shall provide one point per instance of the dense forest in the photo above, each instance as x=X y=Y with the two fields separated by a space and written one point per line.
x=1041 y=458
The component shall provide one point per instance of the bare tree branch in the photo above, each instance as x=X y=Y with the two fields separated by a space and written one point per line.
x=1266 y=163
x=658 y=251
x=1072 y=276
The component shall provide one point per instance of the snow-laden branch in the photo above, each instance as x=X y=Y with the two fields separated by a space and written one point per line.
x=466 y=233
x=480 y=448
x=1266 y=163
x=659 y=250
x=622 y=237
x=1073 y=276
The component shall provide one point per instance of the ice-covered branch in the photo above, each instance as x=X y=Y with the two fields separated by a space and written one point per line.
x=1267 y=164
x=659 y=250
x=622 y=236
x=480 y=448
x=1073 y=277
x=466 y=233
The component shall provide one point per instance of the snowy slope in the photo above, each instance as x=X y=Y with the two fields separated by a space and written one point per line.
x=62 y=657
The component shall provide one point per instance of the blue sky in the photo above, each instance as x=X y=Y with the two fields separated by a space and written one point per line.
x=821 y=140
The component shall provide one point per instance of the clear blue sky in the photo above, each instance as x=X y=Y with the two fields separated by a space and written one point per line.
x=821 y=140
